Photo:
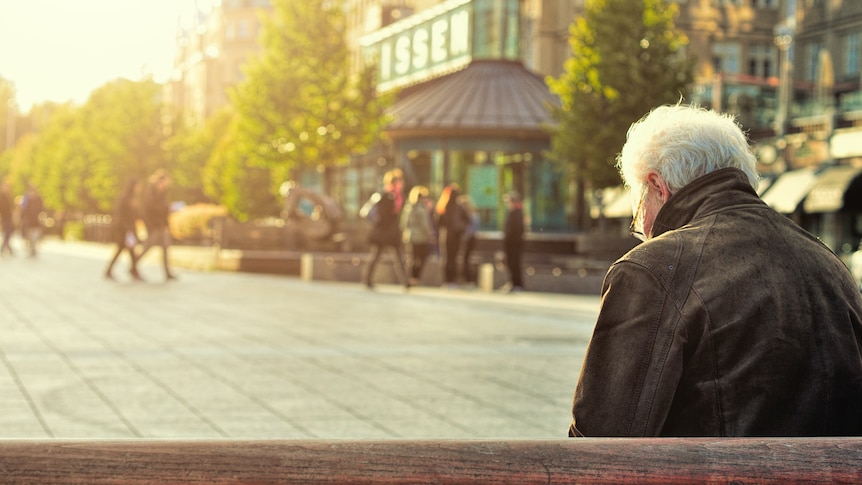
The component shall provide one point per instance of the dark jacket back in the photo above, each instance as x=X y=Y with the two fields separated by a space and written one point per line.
x=386 y=230
x=731 y=321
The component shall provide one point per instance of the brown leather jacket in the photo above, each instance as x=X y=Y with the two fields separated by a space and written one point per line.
x=730 y=321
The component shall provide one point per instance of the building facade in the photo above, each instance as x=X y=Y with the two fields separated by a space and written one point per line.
x=472 y=104
x=815 y=158
x=470 y=77
x=213 y=42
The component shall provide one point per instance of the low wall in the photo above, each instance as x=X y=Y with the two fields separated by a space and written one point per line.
x=560 y=275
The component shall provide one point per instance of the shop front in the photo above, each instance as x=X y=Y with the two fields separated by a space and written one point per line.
x=826 y=201
x=834 y=208
x=467 y=112
x=484 y=128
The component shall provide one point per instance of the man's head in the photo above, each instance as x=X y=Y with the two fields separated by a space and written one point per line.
x=674 y=145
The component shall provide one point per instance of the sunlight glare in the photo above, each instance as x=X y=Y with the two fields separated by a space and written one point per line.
x=61 y=50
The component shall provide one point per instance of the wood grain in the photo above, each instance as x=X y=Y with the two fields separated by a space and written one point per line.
x=585 y=461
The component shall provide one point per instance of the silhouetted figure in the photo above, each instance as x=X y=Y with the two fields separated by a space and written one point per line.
x=32 y=207
x=7 y=212
x=157 y=208
x=417 y=230
x=453 y=221
x=126 y=215
x=384 y=215
x=513 y=240
x=468 y=242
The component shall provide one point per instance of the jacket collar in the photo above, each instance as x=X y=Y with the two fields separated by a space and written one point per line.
x=703 y=196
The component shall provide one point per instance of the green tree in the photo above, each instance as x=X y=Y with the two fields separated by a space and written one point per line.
x=8 y=113
x=301 y=104
x=627 y=57
x=124 y=137
x=80 y=156
x=246 y=190
x=190 y=149
x=60 y=160
x=17 y=166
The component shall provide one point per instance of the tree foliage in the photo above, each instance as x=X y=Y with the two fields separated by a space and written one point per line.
x=7 y=112
x=627 y=57
x=189 y=149
x=80 y=156
x=246 y=190
x=301 y=104
x=123 y=125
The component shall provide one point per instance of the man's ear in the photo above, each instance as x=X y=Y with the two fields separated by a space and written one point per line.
x=657 y=182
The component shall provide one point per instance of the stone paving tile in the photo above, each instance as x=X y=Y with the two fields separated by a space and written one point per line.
x=230 y=355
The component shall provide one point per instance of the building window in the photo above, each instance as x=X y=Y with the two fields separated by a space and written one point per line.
x=765 y=4
x=851 y=57
x=726 y=57
x=761 y=60
x=811 y=61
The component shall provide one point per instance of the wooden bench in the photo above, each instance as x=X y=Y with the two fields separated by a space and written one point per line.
x=586 y=460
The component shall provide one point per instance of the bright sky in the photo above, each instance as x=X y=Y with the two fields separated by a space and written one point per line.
x=61 y=50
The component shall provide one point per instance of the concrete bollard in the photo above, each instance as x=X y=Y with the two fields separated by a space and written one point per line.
x=306 y=267
x=486 y=277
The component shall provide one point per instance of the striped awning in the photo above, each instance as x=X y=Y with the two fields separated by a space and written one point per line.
x=827 y=195
x=787 y=192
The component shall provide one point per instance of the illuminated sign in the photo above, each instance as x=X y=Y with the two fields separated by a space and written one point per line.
x=422 y=46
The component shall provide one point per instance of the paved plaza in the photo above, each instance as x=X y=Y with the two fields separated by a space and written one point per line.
x=232 y=355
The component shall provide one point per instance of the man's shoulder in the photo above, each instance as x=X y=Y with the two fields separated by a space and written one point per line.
x=658 y=248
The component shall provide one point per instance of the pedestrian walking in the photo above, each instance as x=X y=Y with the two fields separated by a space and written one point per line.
x=513 y=240
x=418 y=230
x=7 y=218
x=384 y=212
x=124 y=230
x=468 y=242
x=729 y=319
x=156 y=211
x=32 y=207
x=452 y=220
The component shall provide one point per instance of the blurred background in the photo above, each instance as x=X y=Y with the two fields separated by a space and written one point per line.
x=277 y=119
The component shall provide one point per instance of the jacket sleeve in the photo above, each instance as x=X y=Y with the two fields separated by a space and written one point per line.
x=632 y=365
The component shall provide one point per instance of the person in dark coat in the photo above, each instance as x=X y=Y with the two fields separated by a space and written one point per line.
x=728 y=319
x=7 y=214
x=385 y=217
x=157 y=209
x=453 y=221
x=125 y=217
x=468 y=242
x=32 y=207
x=513 y=240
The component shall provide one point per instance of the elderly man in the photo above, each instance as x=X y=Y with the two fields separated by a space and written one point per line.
x=729 y=320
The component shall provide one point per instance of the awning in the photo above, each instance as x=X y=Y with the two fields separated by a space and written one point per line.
x=846 y=143
x=494 y=98
x=827 y=195
x=785 y=194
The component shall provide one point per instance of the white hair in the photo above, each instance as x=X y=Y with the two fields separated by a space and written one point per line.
x=682 y=143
